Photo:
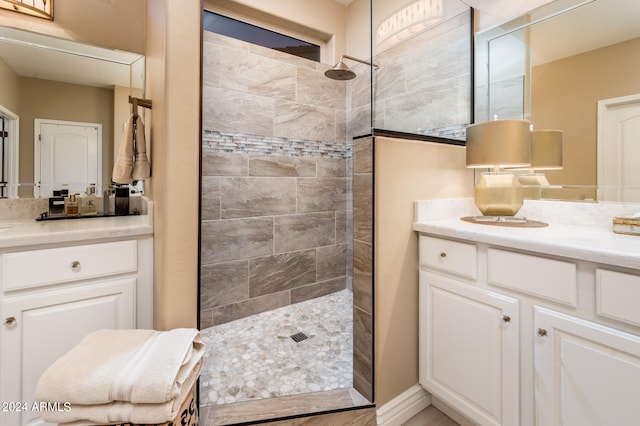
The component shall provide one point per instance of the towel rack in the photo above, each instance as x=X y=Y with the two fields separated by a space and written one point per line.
x=145 y=103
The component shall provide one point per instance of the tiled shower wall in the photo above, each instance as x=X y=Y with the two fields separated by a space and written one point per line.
x=276 y=167
x=274 y=231
x=363 y=266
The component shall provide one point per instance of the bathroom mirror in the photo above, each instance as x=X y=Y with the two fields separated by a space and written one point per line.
x=567 y=65
x=48 y=78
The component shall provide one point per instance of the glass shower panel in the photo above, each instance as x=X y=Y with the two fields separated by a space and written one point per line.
x=424 y=82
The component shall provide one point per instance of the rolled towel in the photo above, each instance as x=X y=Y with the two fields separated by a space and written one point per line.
x=141 y=167
x=123 y=168
x=135 y=366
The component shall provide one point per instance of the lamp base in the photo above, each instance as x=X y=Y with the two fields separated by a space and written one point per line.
x=517 y=222
x=498 y=194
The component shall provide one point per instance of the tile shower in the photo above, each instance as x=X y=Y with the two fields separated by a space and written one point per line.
x=276 y=230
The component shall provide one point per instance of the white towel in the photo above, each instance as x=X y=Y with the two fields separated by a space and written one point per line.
x=123 y=168
x=124 y=412
x=134 y=366
x=141 y=168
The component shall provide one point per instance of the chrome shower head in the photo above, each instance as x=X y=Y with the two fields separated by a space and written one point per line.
x=342 y=72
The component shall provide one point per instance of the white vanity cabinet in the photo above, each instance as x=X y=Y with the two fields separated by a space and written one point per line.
x=469 y=348
x=52 y=296
x=586 y=373
x=569 y=353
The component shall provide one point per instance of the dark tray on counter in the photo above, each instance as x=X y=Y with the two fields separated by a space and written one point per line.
x=45 y=216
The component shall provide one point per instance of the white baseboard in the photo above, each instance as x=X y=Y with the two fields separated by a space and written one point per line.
x=403 y=407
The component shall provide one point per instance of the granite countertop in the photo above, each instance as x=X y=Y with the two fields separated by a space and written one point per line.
x=28 y=232
x=587 y=242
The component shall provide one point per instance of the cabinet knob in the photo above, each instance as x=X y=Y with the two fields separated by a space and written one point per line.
x=506 y=318
x=542 y=332
x=10 y=322
x=443 y=255
x=75 y=266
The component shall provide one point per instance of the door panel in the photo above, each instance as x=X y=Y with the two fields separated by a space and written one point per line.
x=67 y=155
x=469 y=350
x=586 y=373
x=48 y=325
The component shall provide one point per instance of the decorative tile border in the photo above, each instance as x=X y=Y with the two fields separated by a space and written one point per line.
x=271 y=145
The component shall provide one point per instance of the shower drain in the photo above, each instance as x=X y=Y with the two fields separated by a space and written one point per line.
x=299 y=337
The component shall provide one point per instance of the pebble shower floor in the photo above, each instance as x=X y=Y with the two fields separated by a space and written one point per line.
x=255 y=357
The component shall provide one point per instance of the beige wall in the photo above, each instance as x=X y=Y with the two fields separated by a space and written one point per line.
x=565 y=95
x=9 y=88
x=405 y=171
x=358 y=30
x=173 y=84
x=67 y=102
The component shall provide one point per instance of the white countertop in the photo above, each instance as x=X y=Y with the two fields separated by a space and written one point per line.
x=17 y=233
x=589 y=243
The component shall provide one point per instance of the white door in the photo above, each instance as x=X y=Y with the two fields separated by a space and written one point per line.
x=585 y=373
x=67 y=155
x=619 y=149
x=469 y=349
x=46 y=326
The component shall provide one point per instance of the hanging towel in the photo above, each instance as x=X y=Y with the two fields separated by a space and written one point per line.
x=123 y=168
x=135 y=366
x=141 y=168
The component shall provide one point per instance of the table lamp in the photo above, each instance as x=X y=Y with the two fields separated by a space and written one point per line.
x=546 y=154
x=497 y=145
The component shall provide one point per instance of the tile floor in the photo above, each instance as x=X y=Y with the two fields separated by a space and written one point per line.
x=254 y=358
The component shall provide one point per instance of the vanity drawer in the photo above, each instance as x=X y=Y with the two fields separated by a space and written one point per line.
x=617 y=296
x=550 y=279
x=52 y=266
x=449 y=256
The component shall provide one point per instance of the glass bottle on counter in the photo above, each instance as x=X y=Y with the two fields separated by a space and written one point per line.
x=88 y=204
x=71 y=206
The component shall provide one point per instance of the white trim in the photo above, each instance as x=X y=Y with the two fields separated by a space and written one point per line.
x=403 y=407
x=13 y=122
x=604 y=192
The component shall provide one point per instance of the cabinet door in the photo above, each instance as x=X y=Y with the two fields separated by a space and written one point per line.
x=586 y=373
x=48 y=324
x=469 y=349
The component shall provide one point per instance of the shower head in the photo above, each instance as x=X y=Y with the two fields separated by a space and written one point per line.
x=342 y=72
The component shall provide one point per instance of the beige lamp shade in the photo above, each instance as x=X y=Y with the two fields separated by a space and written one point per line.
x=499 y=143
x=546 y=149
